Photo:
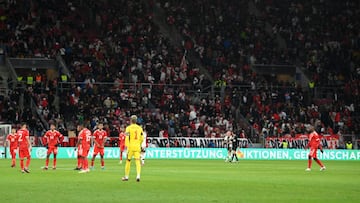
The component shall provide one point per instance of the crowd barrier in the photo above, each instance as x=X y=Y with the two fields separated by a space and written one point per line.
x=159 y=142
x=302 y=140
x=204 y=153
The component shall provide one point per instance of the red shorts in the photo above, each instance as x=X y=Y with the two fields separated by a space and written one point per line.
x=24 y=153
x=122 y=148
x=313 y=152
x=98 y=150
x=53 y=150
x=83 y=151
x=13 y=152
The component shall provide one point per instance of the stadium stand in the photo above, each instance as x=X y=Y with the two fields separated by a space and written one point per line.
x=120 y=63
x=263 y=23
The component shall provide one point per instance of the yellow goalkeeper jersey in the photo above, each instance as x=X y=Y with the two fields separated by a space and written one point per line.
x=134 y=137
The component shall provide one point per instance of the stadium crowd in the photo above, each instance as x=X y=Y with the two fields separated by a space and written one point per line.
x=320 y=48
x=122 y=64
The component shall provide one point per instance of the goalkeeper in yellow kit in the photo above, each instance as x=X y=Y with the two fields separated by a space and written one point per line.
x=133 y=140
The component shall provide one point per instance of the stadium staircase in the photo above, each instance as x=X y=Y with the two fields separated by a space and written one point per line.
x=176 y=39
x=3 y=80
x=10 y=71
x=4 y=77
x=301 y=76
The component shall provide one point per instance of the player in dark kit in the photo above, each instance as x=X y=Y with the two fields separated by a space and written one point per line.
x=234 y=146
x=231 y=144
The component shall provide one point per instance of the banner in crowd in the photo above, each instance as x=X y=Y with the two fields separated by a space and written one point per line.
x=206 y=153
x=192 y=142
x=300 y=141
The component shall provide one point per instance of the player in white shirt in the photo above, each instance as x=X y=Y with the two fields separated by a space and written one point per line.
x=143 y=148
x=228 y=144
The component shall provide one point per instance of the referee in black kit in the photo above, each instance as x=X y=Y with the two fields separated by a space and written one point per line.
x=235 y=144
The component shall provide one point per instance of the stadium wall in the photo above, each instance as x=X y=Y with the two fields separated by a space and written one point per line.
x=205 y=153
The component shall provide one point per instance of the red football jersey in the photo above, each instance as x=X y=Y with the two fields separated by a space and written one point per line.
x=85 y=137
x=122 y=137
x=314 y=140
x=100 y=136
x=13 y=140
x=52 y=138
x=23 y=134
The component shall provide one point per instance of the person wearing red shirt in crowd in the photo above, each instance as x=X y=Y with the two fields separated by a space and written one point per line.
x=12 y=143
x=52 y=139
x=99 y=138
x=314 y=144
x=83 y=144
x=44 y=103
x=24 y=147
x=242 y=134
x=122 y=137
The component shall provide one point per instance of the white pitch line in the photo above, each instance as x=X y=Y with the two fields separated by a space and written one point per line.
x=72 y=169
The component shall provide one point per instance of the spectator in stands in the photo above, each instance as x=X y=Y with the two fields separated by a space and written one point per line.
x=122 y=48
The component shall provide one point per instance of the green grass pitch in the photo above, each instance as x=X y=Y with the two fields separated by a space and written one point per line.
x=184 y=181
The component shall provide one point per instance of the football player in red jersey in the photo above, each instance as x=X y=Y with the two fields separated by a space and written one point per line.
x=83 y=144
x=52 y=139
x=99 y=138
x=122 y=137
x=24 y=147
x=314 y=144
x=12 y=143
x=79 y=160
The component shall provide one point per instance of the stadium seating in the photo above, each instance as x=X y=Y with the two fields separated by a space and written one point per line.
x=254 y=32
x=122 y=64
